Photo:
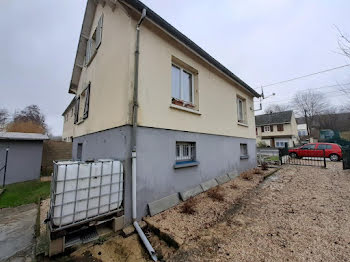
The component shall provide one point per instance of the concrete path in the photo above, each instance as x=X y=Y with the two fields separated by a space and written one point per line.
x=17 y=232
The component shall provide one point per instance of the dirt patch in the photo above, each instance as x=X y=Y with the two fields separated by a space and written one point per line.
x=303 y=215
x=182 y=227
x=44 y=208
x=114 y=249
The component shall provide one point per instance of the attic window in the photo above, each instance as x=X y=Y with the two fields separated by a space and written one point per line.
x=94 y=42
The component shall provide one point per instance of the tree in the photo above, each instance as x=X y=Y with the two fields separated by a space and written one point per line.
x=310 y=104
x=28 y=120
x=344 y=46
x=275 y=108
x=4 y=115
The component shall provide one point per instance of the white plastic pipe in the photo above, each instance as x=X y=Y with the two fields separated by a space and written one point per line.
x=145 y=241
x=134 y=213
x=133 y=185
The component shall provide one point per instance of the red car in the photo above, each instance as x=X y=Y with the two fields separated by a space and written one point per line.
x=332 y=151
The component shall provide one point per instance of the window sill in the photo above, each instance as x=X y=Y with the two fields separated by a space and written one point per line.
x=185 y=109
x=186 y=164
x=242 y=124
x=80 y=121
x=244 y=157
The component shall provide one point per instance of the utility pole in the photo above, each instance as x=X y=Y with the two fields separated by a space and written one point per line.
x=5 y=167
x=307 y=126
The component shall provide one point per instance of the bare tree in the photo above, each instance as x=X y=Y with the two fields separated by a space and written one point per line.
x=276 y=108
x=4 y=116
x=344 y=46
x=310 y=104
x=329 y=118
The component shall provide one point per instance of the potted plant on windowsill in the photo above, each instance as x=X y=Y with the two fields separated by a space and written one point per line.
x=189 y=105
x=177 y=102
x=182 y=103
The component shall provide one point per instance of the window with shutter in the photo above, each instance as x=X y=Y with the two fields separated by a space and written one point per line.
x=88 y=51
x=99 y=32
x=87 y=101
x=76 y=110
x=94 y=42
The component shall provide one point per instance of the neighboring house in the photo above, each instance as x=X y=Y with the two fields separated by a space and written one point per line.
x=277 y=129
x=302 y=127
x=195 y=117
x=24 y=156
x=68 y=118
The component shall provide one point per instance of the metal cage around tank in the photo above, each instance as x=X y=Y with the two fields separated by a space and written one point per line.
x=85 y=191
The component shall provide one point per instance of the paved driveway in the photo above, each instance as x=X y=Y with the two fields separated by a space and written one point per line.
x=17 y=232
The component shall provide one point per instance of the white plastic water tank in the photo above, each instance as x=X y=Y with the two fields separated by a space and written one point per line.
x=82 y=190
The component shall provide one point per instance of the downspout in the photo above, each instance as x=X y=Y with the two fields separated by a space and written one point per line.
x=133 y=141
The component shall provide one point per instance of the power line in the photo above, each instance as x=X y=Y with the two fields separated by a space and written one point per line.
x=327 y=86
x=290 y=99
x=300 y=77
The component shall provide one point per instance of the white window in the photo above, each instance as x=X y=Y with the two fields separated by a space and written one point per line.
x=182 y=84
x=244 y=150
x=241 y=110
x=94 y=42
x=266 y=128
x=281 y=144
x=185 y=151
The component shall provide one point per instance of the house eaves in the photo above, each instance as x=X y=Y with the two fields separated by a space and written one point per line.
x=22 y=136
x=160 y=22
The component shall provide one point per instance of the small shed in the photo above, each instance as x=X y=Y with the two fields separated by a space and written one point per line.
x=24 y=154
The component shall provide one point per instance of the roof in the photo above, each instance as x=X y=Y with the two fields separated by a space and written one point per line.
x=274 y=118
x=69 y=106
x=300 y=120
x=159 y=21
x=22 y=136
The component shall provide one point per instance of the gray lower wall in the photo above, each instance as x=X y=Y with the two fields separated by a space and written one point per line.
x=24 y=160
x=156 y=177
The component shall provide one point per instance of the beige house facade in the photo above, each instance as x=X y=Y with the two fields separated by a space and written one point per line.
x=277 y=129
x=195 y=118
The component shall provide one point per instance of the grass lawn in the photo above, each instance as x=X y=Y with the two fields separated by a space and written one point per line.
x=273 y=158
x=24 y=193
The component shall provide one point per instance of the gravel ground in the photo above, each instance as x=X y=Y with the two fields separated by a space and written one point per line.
x=301 y=214
x=44 y=208
x=185 y=227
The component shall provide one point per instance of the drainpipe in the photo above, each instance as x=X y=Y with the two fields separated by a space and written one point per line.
x=133 y=142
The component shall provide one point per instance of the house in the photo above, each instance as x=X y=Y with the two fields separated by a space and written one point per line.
x=302 y=127
x=22 y=152
x=277 y=129
x=68 y=118
x=147 y=88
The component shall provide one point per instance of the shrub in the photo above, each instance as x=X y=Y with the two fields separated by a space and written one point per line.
x=233 y=186
x=216 y=194
x=257 y=171
x=189 y=207
x=262 y=144
x=247 y=175
x=264 y=166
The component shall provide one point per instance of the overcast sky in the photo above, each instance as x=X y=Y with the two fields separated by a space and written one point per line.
x=262 y=42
